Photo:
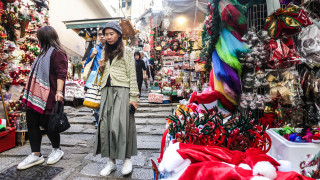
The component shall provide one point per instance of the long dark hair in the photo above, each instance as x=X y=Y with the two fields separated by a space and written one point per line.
x=48 y=37
x=117 y=49
x=137 y=53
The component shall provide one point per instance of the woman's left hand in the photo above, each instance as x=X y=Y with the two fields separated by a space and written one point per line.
x=59 y=96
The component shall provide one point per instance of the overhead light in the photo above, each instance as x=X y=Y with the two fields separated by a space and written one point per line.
x=181 y=20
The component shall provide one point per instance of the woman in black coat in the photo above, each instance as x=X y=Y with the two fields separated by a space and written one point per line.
x=140 y=69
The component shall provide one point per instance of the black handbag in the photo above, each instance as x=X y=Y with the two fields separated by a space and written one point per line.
x=58 y=121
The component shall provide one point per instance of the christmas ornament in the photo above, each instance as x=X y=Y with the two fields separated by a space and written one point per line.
x=287 y=21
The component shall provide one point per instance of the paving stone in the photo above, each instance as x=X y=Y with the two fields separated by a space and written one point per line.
x=73 y=157
x=17 y=151
x=68 y=163
x=63 y=141
x=152 y=129
x=78 y=136
x=92 y=169
x=149 y=138
x=142 y=173
x=138 y=160
x=79 y=114
x=157 y=105
x=6 y=162
x=159 y=109
x=84 y=109
x=84 y=178
x=152 y=115
x=153 y=121
x=96 y=159
x=90 y=131
x=64 y=174
x=69 y=109
x=75 y=128
x=149 y=146
x=81 y=120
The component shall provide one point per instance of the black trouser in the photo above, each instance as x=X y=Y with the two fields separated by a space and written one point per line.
x=139 y=80
x=152 y=72
x=34 y=120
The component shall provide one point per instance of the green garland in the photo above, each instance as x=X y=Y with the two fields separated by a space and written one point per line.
x=210 y=35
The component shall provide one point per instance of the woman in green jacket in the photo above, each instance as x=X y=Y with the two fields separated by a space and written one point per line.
x=116 y=137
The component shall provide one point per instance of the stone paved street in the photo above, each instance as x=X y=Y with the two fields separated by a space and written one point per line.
x=77 y=143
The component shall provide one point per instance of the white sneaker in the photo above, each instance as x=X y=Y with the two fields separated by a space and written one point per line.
x=30 y=161
x=55 y=156
x=127 y=167
x=108 y=169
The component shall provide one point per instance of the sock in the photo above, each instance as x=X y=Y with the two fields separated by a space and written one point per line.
x=113 y=160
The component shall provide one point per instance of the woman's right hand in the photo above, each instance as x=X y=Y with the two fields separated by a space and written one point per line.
x=101 y=62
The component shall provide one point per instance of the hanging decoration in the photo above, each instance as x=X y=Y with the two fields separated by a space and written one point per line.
x=287 y=21
x=166 y=23
x=211 y=32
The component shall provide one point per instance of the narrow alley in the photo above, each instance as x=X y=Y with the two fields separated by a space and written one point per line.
x=77 y=143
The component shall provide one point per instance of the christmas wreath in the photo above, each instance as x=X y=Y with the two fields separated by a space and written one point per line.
x=186 y=44
x=175 y=45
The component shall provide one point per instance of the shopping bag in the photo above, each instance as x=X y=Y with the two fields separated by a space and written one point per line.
x=93 y=95
x=58 y=121
x=91 y=79
x=87 y=69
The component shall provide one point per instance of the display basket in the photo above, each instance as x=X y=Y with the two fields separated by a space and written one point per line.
x=8 y=139
x=296 y=153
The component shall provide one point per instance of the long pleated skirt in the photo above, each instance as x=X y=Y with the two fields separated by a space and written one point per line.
x=116 y=136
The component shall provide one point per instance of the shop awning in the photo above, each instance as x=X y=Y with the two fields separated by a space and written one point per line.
x=127 y=28
x=89 y=23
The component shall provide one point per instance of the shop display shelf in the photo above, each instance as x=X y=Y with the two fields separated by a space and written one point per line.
x=296 y=153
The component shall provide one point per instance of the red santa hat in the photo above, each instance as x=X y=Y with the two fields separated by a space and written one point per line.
x=213 y=162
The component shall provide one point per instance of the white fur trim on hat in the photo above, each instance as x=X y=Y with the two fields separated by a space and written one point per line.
x=266 y=169
x=171 y=159
x=285 y=166
x=245 y=166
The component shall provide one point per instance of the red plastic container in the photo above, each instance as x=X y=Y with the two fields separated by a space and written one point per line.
x=7 y=139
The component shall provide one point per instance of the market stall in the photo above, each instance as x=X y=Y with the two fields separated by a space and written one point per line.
x=262 y=95
x=19 y=48
x=177 y=74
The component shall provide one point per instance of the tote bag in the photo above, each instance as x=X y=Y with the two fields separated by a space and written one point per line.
x=91 y=79
x=93 y=95
x=87 y=69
